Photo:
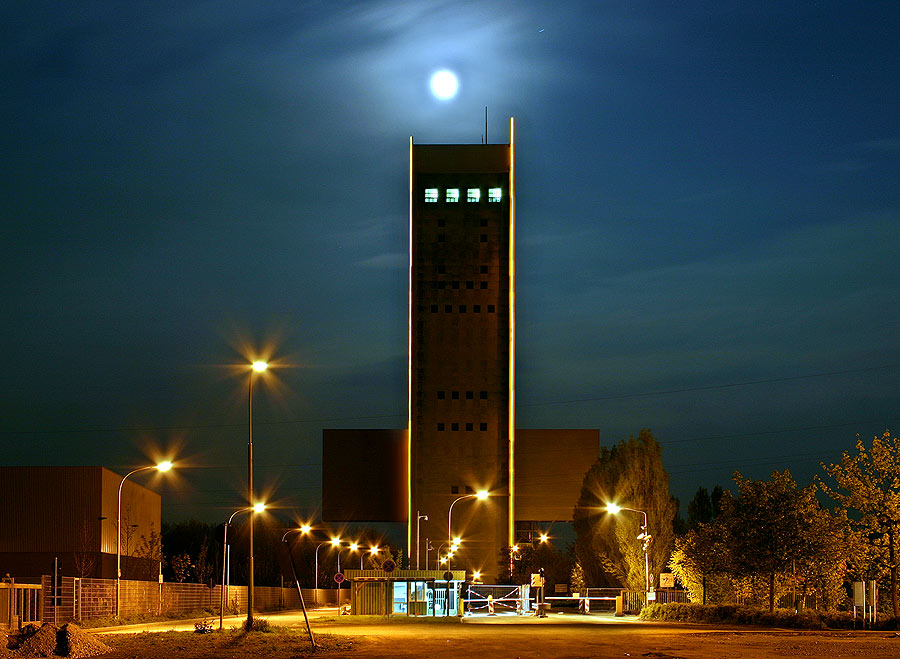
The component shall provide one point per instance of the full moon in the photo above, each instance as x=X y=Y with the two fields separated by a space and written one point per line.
x=444 y=84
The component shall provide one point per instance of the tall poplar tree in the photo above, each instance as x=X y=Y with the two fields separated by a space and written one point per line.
x=631 y=475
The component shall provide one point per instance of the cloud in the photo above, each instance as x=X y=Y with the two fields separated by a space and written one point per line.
x=388 y=261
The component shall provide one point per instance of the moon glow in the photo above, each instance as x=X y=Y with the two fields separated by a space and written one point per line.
x=444 y=84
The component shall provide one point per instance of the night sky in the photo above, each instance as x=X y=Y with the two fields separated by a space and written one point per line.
x=708 y=227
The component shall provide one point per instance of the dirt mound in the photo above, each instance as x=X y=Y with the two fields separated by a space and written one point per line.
x=49 y=641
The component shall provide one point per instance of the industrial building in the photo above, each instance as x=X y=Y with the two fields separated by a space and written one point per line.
x=65 y=517
x=461 y=436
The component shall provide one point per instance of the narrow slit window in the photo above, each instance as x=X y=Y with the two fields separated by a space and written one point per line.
x=431 y=195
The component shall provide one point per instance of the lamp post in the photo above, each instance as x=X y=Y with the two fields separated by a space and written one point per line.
x=258 y=508
x=304 y=530
x=481 y=494
x=644 y=536
x=334 y=542
x=162 y=466
x=428 y=548
x=257 y=367
x=419 y=518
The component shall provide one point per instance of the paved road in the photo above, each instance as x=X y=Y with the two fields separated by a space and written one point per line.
x=567 y=636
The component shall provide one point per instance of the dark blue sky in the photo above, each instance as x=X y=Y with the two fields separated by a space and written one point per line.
x=709 y=217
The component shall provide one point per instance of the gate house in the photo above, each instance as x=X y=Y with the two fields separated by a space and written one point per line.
x=404 y=592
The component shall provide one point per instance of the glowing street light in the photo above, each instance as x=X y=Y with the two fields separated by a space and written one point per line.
x=258 y=366
x=334 y=542
x=256 y=508
x=644 y=536
x=481 y=494
x=162 y=466
x=304 y=529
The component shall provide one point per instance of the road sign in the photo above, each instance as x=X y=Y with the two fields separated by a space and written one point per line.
x=666 y=580
x=388 y=566
x=338 y=577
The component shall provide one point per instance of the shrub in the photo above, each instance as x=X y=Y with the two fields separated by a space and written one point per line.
x=744 y=615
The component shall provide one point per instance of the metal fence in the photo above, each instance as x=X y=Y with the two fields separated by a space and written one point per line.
x=19 y=604
x=91 y=599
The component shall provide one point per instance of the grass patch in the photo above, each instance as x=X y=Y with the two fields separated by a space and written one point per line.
x=144 y=618
x=275 y=643
x=387 y=620
x=744 y=615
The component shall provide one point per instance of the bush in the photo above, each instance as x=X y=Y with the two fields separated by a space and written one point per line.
x=259 y=625
x=744 y=615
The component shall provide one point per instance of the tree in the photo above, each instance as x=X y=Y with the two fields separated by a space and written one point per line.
x=699 y=555
x=629 y=474
x=868 y=486
x=85 y=554
x=774 y=528
x=150 y=549
x=181 y=567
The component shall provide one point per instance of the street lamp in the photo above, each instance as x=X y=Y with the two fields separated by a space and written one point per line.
x=257 y=367
x=419 y=518
x=334 y=542
x=162 y=466
x=257 y=508
x=481 y=494
x=303 y=530
x=644 y=536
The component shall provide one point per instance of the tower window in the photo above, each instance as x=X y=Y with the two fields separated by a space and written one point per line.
x=482 y=426
x=440 y=427
x=491 y=308
x=455 y=395
x=442 y=222
x=483 y=395
x=470 y=395
x=454 y=489
x=483 y=285
x=448 y=308
x=441 y=238
x=470 y=427
x=470 y=284
x=454 y=426
x=452 y=195
x=431 y=195
x=484 y=269
x=442 y=269
x=440 y=395
x=476 y=308
x=455 y=285
x=473 y=195
x=483 y=222
x=434 y=308
x=484 y=237
x=495 y=195
x=462 y=308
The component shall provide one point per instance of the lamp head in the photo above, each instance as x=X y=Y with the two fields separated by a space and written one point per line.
x=353 y=546
x=482 y=494
x=544 y=537
x=259 y=366
x=613 y=508
x=335 y=542
x=259 y=507
x=164 y=466
x=305 y=528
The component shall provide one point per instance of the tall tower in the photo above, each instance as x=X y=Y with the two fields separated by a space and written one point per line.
x=462 y=350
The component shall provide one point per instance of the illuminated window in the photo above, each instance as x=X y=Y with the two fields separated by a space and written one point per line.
x=482 y=426
x=495 y=194
x=474 y=195
x=431 y=195
x=452 y=195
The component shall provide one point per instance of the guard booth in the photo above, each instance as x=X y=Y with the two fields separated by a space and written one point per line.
x=405 y=592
